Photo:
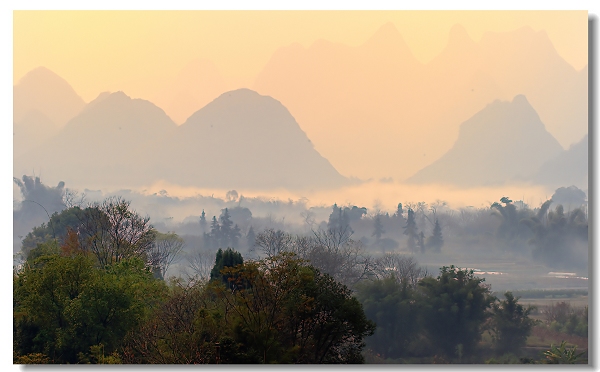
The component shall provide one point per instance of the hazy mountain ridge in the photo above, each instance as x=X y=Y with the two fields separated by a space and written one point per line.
x=329 y=87
x=44 y=91
x=242 y=140
x=99 y=145
x=506 y=141
x=348 y=100
x=570 y=167
x=43 y=102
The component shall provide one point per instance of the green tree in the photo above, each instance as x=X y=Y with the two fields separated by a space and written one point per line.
x=393 y=305
x=251 y=239
x=410 y=229
x=64 y=305
x=203 y=222
x=227 y=258
x=455 y=307
x=436 y=241
x=378 y=230
x=510 y=324
x=56 y=228
x=288 y=312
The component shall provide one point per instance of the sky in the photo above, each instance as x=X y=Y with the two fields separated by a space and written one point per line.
x=140 y=51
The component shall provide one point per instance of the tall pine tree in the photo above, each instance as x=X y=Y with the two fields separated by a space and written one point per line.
x=411 y=230
x=436 y=241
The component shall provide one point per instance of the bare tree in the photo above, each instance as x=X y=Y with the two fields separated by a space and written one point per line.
x=113 y=232
x=165 y=250
x=402 y=267
x=329 y=251
x=200 y=263
x=272 y=242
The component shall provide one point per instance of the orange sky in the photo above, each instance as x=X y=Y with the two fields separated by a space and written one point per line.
x=140 y=51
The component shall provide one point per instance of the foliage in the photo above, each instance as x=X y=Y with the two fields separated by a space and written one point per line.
x=510 y=324
x=393 y=305
x=557 y=235
x=510 y=230
x=454 y=309
x=436 y=241
x=286 y=311
x=113 y=232
x=63 y=305
x=377 y=228
x=223 y=259
x=562 y=355
x=410 y=229
x=57 y=227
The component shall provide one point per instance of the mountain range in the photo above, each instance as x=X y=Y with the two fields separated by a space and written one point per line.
x=320 y=114
x=506 y=141
x=239 y=140
x=406 y=113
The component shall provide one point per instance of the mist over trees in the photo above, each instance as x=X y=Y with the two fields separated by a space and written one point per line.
x=337 y=284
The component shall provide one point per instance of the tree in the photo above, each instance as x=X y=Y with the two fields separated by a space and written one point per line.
x=287 y=311
x=165 y=250
x=392 y=303
x=64 y=305
x=251 y=239
x=401 y=267
x=510 y=324
x=421 y=242
x=455 y=307
x=399 y=211
x=113 y=232
x=411 y=230
x=226 y=230
x=377 y=228
x=203 y=222
x=436 y=241
x=227 y=258
x=56 y=228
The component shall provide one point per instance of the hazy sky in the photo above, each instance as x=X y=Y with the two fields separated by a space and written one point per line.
x=140 y=51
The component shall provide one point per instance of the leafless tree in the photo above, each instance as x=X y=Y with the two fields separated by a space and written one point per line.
x=113 y=232
x=200 y=263
x=329 y=251
x=272 y=242
x=402 y=267
x=165 y=250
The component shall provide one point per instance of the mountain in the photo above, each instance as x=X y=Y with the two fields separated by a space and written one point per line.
x=568 y=168
x=405 y=114
x=506 y=141
x=241 y=140
x=42 y=104
x=31 y=130
x=100 y=145
x=525 y=62
x=330 y=87
x=44 y=91
x=197 y=84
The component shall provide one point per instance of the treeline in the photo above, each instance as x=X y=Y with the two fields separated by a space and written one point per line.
x=93 y=292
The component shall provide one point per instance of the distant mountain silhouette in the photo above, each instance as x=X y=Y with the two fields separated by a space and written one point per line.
x=506 y=141
x=525 y=61
x=99 y=146
x=404 y=113
x=43 y=102
x=31 y=130
x=570 y=167
x=196 y=85
x=44 y=91
x=241 y=140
